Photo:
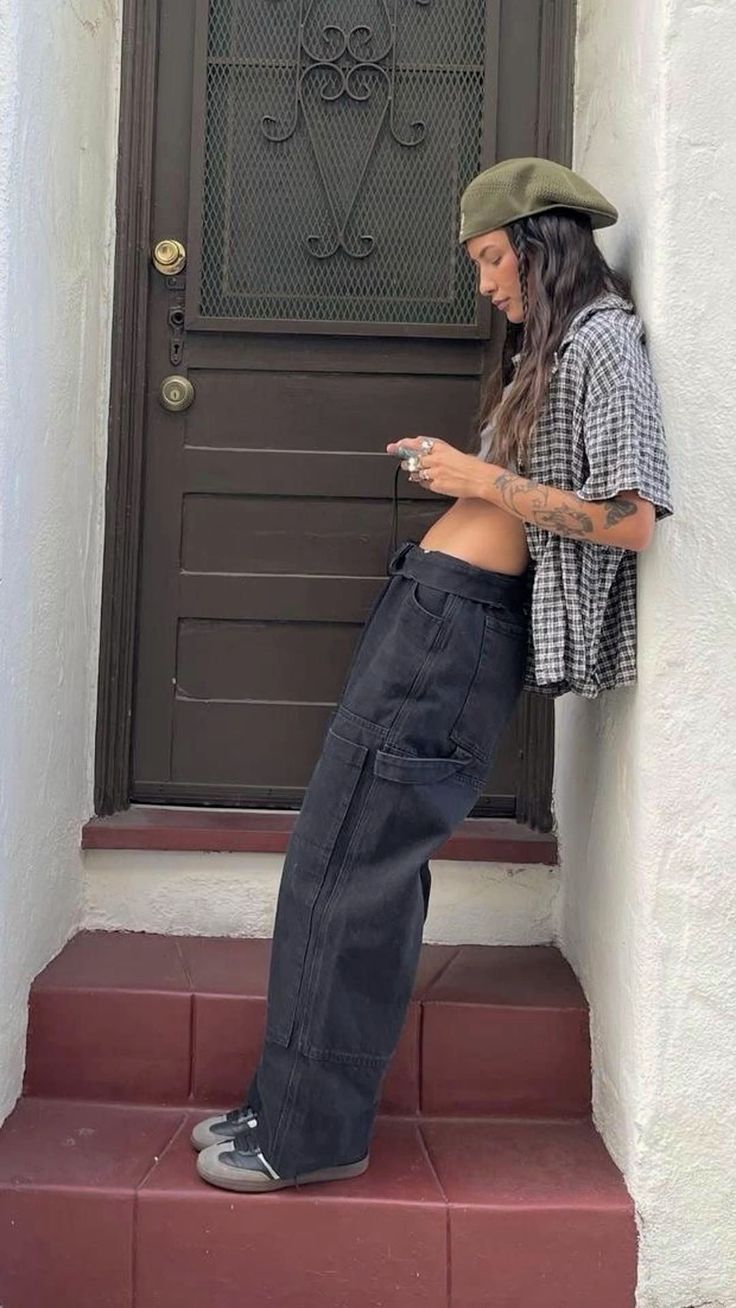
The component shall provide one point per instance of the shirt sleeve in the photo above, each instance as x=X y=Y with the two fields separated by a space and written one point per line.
x=624 y=438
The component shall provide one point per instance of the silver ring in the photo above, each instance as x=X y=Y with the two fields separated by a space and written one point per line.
x=426 y=444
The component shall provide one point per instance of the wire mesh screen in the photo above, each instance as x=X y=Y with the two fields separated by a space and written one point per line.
x=338 y=137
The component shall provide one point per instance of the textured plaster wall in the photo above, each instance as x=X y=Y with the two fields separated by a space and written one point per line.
x=235 y=895
x=58 y=111
x=646 y=780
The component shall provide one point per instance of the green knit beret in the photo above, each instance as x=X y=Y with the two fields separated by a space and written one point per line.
x=518 y=188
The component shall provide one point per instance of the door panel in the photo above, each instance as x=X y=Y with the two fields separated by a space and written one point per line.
x=311 y=117
x=325 y=309
x=308 y=410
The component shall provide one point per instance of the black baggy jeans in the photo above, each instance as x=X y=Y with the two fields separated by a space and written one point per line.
x=434 y=678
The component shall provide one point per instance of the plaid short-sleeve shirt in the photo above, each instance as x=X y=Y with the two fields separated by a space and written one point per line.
x=600 y=432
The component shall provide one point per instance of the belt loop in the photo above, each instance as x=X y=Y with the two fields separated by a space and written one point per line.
x=398 y=555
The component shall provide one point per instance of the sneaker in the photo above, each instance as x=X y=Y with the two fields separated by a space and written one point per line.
x=223 y=1127
x=239 y=1165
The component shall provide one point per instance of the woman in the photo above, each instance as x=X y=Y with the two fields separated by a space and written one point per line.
x=523 y=581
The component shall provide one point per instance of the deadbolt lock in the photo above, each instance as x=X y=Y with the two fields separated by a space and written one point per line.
x=169 y=257
x=177 y=393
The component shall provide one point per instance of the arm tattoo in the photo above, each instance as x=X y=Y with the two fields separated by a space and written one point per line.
x=619 y=509
x=564 y=520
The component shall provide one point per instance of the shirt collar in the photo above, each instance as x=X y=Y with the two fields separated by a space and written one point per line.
x=606 y=300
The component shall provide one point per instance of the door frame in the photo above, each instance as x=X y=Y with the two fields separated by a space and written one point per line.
x=123 y=487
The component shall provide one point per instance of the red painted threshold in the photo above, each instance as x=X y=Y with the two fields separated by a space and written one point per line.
x=153 y=826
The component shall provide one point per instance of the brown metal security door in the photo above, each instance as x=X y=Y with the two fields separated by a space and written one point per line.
x=309 y=155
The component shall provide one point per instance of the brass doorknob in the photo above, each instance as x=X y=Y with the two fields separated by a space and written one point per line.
x=177 y=393
x=169 y=257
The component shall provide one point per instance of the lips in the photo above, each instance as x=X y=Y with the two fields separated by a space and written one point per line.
x=500 y=304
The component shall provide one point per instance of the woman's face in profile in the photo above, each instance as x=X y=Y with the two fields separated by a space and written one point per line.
x=498 y=271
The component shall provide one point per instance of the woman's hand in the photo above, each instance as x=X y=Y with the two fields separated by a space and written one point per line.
x=443 y=469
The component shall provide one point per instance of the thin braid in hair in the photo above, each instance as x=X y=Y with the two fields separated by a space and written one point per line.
x=519 y=242
x=510 y=344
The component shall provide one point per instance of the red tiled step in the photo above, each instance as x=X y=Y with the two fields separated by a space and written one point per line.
x=101 y=1205
x=172 y=826
x=505 y=1030
x=68 y=1175
x=110 y=1018
x=539 y=1216
x=158 y=1019
x=382 y=1242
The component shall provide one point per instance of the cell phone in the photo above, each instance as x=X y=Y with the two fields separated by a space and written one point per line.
x=412 y=455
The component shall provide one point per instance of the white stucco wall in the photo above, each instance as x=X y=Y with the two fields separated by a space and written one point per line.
x=235 y=895
x=645 y=777
x=59 y=64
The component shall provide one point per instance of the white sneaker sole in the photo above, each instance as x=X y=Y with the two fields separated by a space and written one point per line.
x=245 y=1182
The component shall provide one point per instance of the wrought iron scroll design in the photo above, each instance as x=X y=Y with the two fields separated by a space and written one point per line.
x=346 y=66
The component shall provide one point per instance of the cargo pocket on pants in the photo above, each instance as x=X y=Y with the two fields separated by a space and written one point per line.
x=324 y=812
x=430 y=797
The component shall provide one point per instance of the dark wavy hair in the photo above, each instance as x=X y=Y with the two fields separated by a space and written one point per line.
x=561 y=270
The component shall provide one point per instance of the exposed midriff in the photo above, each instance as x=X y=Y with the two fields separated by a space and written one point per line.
x=481 y=533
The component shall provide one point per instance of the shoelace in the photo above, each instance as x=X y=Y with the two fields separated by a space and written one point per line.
x=244 y=1115
x=246 y=1142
